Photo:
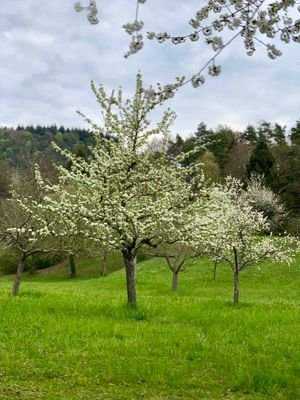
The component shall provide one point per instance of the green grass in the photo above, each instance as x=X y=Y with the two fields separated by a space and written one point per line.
x=76 y=339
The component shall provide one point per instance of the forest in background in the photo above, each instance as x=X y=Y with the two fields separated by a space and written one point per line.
x=267 y=149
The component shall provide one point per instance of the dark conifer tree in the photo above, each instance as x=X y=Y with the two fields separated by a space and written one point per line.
x=265 y=131
x=295 y=133
x=203 y=135
x=263 y=163
x=249 y=135
x=278 y=134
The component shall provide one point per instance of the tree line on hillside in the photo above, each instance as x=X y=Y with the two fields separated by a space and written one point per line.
x=267 y=149
x=23 y=146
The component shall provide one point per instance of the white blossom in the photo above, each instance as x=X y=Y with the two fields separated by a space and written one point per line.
x=135 y=26
x=194 y=36
x=214 y=70
x=198 y=81
x=91 y=11
x=151 y=35
x=273 y=52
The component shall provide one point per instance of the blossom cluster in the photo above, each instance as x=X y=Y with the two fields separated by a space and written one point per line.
x=91 y=11
x=134 y=30
x=218 y=23
x=252 y=21
x=248 y=17
x=162 y=93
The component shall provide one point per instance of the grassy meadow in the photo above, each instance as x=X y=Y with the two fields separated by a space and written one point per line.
x=76 y=339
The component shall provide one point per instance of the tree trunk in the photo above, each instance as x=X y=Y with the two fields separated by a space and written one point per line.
x=136 y=273
x=215 y=271
x=72 y=266
x=21 y=265
x=103 y=271
x=130 y=266
x=236 y=293
x=175 y=281
x=236 y=290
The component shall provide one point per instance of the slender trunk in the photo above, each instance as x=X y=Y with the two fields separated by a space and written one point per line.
x=130 y=266
x=103 y=271
x=72 y=266
x=135 y=273
x=215 y=270
x=21 y=265
x=236 y=290
x=236 y=294
x=175 y=281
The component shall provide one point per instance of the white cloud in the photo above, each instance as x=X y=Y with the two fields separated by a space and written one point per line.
x=49 y=54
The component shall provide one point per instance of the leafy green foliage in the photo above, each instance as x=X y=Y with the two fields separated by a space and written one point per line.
x=22 y=146
x=218 y=142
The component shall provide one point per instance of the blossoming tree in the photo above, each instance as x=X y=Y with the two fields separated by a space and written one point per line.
x=20 y=232
x=263 y=199
x=22 y=229
x=237 y=232
x=180 y=256
x=125 y=196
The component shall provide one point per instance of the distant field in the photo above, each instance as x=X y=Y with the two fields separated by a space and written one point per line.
x=76 y=339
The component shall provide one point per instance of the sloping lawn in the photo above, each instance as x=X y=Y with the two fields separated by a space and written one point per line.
x=76 y=339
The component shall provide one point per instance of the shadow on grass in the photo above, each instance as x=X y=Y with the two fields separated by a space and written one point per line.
x=239 y=306
x=34 y=294
x=48 y=278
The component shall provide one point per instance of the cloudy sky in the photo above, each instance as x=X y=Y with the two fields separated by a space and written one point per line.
x=49 y=54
